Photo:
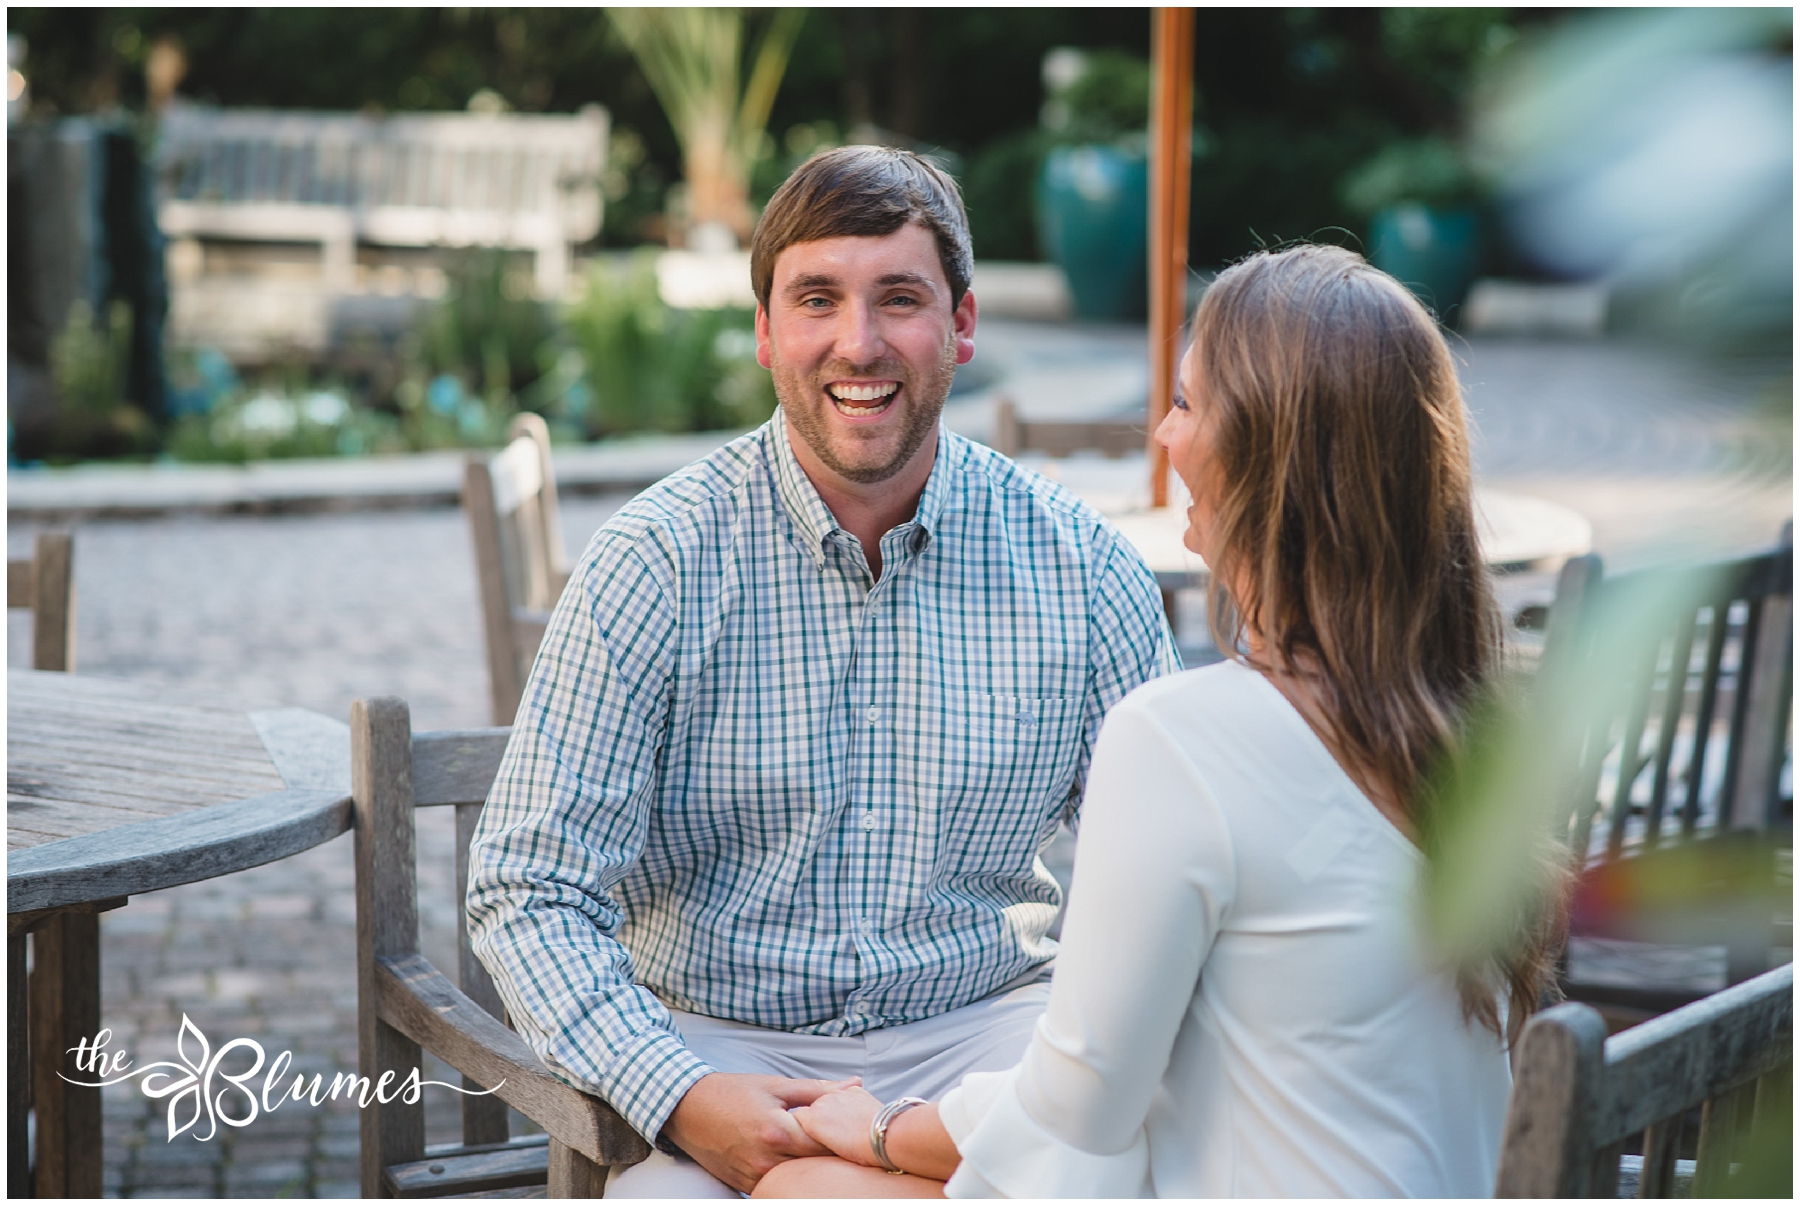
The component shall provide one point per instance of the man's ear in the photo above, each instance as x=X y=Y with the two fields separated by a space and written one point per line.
x=964 y=319
x=762 y=336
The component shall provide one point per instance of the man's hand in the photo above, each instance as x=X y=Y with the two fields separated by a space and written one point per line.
x=737 y=1126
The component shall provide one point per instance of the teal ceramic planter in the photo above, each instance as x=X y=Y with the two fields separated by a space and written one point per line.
x=1432 y=251
x=1093 y=220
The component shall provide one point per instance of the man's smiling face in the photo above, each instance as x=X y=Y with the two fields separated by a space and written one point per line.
x=863 y=343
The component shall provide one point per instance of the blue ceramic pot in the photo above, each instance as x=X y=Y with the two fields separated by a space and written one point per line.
x=1432 y=251
x=1093 y=219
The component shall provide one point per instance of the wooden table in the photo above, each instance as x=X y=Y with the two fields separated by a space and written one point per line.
x=115 y=788
x=1517 y=532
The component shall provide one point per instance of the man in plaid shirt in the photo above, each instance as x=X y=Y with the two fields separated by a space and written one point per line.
x=803 y=720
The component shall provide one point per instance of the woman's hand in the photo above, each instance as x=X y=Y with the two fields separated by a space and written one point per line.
x=840 y=1120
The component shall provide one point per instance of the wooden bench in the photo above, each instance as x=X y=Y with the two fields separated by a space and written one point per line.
x=528 y=182
x=1580 y=1097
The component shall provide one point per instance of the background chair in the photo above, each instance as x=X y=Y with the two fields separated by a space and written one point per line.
x=1579 y=1098
x=404 y=1004
x=46 y=585
x=66 y=978
x=520 y=561
x=1678 y=819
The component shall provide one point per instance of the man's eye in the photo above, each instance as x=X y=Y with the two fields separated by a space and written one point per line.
x=903 y=300
x=815 y=303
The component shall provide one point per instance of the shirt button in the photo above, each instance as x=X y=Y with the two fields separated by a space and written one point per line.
x=868 y=820
x=874 y=714
x=866 y=926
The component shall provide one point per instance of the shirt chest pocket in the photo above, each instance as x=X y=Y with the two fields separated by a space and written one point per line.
x=1009 y=752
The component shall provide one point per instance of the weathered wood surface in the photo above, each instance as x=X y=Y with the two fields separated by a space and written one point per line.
x=20 y=924
x=505 y=682
x=116 y=788
x=572 y=1175
x=1547 y=1147
x=427 y=1007
x=387 y=923
x=46 y=585
x=18 y=1071
x=484 y=1118
x=456 y=766
x=18 y=583
x=173 y=850
x=406 y=1006
x=1673 y=1062
x=443 y=1174
x=1579 y=1095
x=521 y=564
x=65 y=1009
x=86 y=755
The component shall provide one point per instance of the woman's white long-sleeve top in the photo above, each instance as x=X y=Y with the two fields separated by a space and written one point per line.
x=1243 y=1004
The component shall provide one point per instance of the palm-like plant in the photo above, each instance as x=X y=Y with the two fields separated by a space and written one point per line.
x=693 y=59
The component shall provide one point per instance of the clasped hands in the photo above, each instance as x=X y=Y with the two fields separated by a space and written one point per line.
x=738 y=1126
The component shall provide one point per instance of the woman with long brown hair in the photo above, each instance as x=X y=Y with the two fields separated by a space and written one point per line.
x=1246 y=1003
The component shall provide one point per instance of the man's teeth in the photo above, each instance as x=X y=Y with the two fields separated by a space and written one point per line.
x=863 y=393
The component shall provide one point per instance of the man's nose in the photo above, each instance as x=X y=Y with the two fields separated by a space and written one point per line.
x=859 y=339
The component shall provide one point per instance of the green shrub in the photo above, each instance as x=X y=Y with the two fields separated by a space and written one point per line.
x=88 y=366
x=654 y=368
x=1000 y=193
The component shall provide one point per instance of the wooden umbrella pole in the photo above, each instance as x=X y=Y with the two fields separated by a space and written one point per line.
x=1171 y=153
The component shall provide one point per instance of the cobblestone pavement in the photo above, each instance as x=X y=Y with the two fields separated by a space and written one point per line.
x=317 y=610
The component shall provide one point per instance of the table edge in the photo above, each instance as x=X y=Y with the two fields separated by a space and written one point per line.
x=173 y=850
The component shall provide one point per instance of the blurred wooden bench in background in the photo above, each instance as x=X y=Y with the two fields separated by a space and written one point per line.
x=234 y=185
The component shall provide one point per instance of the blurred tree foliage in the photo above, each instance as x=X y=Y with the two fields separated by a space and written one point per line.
x=1292 y=100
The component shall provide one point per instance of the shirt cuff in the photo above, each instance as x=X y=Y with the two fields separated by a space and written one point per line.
x=646 y=1084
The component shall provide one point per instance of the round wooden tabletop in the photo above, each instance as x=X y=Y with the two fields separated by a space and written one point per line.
x=115 y=788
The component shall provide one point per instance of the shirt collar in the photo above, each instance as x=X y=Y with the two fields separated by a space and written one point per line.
x=814 y=521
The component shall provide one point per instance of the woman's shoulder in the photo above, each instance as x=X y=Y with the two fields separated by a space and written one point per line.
x=1232 y=725
x=1219 y=691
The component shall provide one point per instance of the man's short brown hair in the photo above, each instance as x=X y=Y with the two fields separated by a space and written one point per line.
x=863 y=191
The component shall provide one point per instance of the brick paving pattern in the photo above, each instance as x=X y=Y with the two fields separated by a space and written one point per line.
x=317 y=610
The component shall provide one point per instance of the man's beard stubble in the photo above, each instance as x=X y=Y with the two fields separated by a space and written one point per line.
x=801 y=401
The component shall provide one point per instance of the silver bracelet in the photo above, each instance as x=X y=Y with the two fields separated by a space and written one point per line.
x=878 y=1128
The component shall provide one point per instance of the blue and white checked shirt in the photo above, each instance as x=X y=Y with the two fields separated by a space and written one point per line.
x=749 y=783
